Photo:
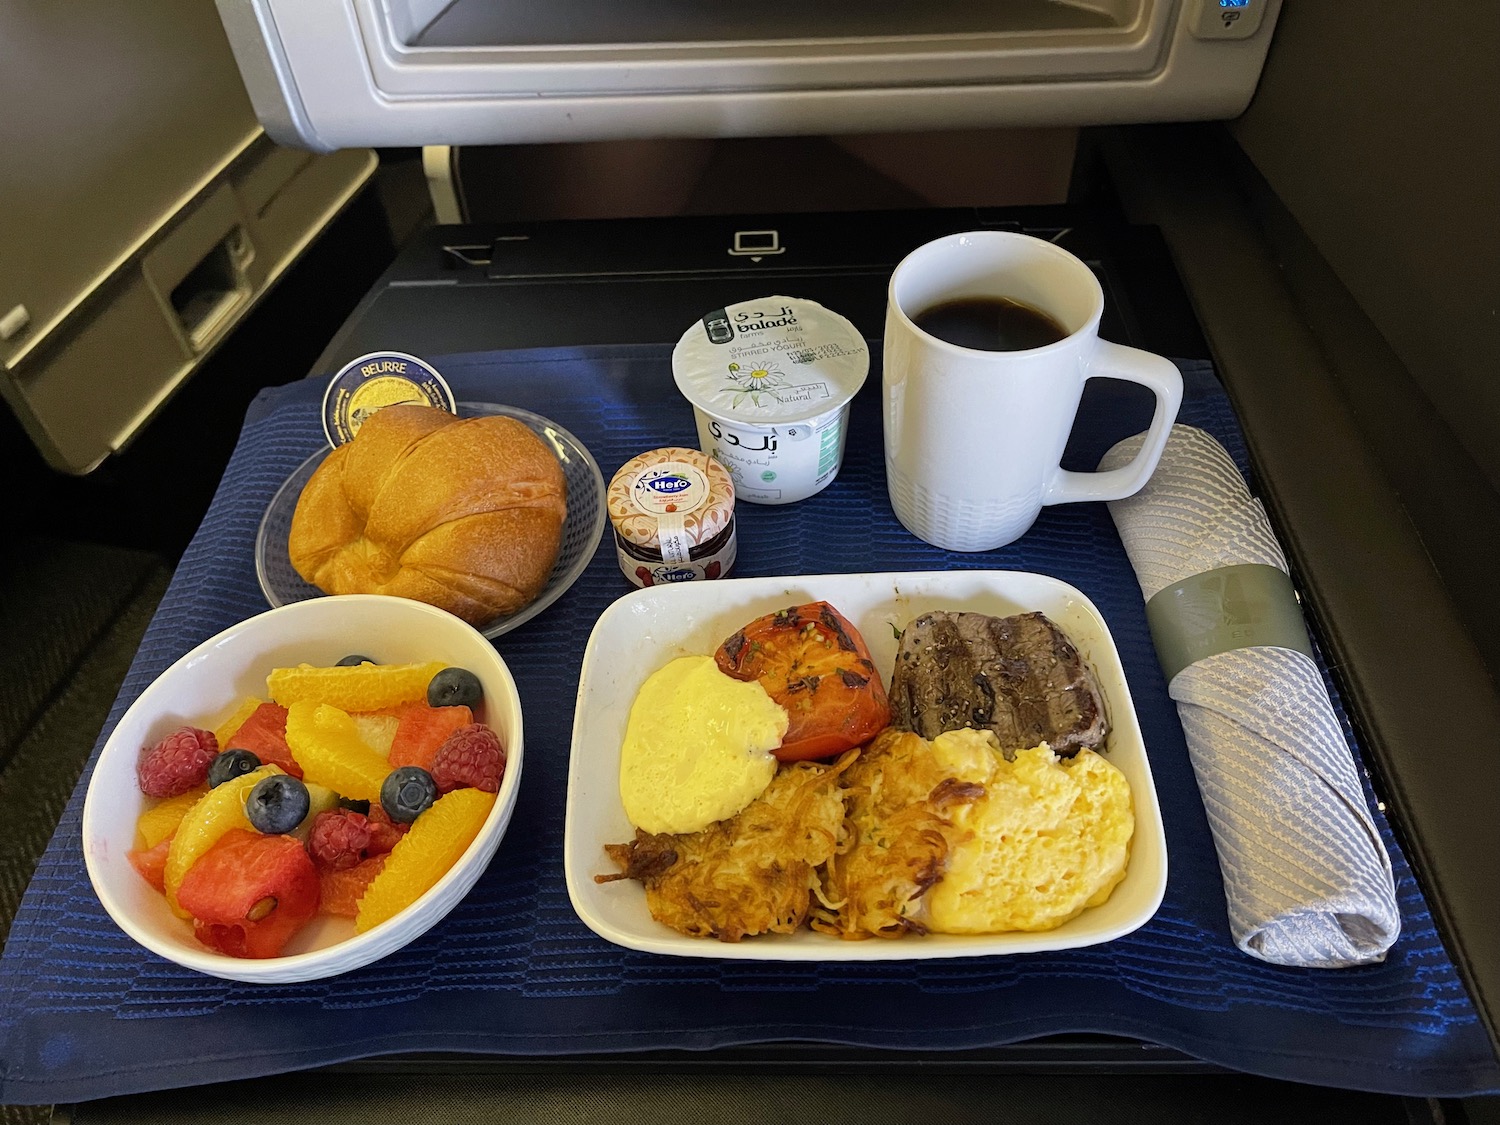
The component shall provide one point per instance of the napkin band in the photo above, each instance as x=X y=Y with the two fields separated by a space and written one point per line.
x=1243 y=606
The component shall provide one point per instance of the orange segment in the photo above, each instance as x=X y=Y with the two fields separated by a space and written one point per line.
x=161 y=820
x=423 y=856
x=368 y=687
x=213 y=815
x=235 y=719
x=326 y=743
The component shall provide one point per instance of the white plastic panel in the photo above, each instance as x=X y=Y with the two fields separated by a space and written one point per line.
x=143 y=212
x=413 y=72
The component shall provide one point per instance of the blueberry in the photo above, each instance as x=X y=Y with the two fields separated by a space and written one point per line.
x=277 y=804
x=454 y=687
x=407 y=793
x=230 y=765
x=354 y=660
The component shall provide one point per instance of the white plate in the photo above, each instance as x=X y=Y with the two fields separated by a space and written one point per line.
x=588 y=512
x=646 y=628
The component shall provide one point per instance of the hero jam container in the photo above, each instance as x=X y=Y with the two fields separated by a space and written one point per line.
x=673 y=516
x=770 y=382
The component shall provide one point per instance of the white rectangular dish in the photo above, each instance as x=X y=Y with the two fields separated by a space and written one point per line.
x=646 y=628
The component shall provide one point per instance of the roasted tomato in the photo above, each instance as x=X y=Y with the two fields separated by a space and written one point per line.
x=813 y=662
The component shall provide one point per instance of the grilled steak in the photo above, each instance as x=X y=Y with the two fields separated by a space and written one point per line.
x=1017 y=676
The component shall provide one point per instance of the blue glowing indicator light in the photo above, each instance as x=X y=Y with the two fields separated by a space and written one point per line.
x=1234 y=3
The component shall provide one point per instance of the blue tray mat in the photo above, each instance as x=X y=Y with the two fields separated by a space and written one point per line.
x=84 y=1013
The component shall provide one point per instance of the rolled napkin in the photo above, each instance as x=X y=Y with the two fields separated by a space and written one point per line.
x=1307 y=877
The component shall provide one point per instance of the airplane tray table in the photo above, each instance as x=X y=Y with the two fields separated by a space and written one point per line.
x=512 y=971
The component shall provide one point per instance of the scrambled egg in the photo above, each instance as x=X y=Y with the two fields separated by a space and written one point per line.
x=1049 y=838
x=697 y=747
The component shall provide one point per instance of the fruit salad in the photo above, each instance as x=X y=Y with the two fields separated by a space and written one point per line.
x=349 y=791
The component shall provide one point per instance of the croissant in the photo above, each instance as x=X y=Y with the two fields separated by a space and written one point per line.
x=464 y=514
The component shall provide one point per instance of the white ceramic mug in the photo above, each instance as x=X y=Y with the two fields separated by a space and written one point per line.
x=973 y=439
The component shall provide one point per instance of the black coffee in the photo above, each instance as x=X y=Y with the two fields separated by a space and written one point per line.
x=990 y=324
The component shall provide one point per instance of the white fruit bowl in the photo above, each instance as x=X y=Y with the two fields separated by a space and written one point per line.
x=205 y=684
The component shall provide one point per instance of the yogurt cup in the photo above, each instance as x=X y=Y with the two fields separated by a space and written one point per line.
x=770 y=382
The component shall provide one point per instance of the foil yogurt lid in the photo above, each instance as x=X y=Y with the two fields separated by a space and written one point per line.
x=377 y=380
x=770 y=361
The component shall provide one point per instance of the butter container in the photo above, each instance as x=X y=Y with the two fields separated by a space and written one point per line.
x=672 y=511
x=770 y=382
x=380 y=379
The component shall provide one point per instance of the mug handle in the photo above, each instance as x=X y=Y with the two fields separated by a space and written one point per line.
x=1115 y=361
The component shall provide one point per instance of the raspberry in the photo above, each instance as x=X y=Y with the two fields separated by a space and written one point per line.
x=338 y=839
x=470 y=758
x=384 y=832
x=177 y=763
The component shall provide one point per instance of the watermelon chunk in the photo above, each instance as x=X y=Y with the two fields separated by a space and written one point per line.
x=152 y=863
x=422 y=730
x=249 y=894
x=264 y=735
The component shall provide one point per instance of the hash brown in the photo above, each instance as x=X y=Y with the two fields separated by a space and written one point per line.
x=753 y=873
